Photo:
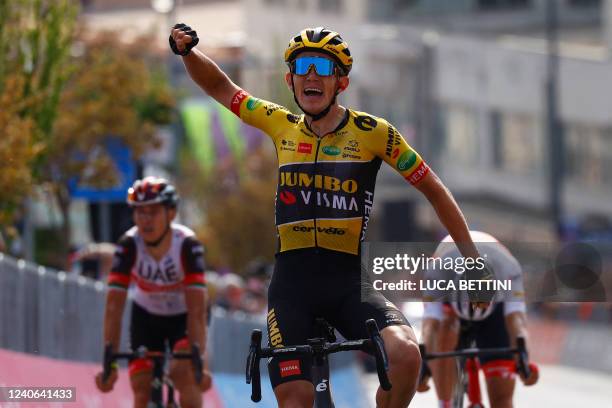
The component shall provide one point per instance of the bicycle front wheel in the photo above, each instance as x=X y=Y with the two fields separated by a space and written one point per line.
x=461 y=384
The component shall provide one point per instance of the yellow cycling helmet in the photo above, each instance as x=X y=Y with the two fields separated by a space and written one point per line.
x=323 y=40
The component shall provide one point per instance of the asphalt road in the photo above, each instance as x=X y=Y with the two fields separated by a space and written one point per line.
x=559 y=387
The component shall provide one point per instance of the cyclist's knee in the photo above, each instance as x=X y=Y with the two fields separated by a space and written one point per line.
x=141 y=387
x=500 y=391
x=295 y=394
x=183 y=378
x=402 y=348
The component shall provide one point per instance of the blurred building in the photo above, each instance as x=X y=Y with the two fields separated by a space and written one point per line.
x=464 y=81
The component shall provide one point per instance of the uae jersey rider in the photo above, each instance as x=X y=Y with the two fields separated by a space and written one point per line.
x=326 y=185
x=506 y=267
x=159 y=285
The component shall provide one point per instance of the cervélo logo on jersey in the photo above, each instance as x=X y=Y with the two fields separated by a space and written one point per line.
x=321 y=230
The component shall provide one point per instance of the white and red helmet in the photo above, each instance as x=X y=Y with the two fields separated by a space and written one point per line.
x=152 y=190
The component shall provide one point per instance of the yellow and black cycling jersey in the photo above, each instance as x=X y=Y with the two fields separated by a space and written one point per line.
x=326 y=184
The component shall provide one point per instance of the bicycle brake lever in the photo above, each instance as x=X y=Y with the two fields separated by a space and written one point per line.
x=523 y=358
x=107 y=362
x=253 y=375
x=196 y=361
x=425 y=370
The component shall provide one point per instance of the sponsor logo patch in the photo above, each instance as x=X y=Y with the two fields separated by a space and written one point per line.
x=293 y=118
x=287 y=145
x=305 y=148
x=406 y=160
x=288 y=368
x=271 y=108
x=321 y=182
x=393 y=139
x=274 y=334
x=331 y=150
x=237 y=100
x=365 y=122
x=418 y=174
x=287 y=197
x=253 y=103
x=329 y=230
x=322 y=386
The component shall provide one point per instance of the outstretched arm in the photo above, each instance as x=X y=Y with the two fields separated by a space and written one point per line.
x=204 y=71
x=448 y=212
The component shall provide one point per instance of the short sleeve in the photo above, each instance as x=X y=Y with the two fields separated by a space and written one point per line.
x=123 y=262
x=264 y=115
x=192 y=258
x=389 y=145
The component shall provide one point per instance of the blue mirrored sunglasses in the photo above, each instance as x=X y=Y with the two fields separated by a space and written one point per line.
x=322 y=66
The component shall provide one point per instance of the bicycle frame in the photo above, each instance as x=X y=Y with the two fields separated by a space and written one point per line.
x=468 y=383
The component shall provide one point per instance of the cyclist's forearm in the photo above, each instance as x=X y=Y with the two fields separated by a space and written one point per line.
x=113 y=313
x=207 y=74
x=196 y=327
x=516 y=324
x=196 y=317
x=449 y=214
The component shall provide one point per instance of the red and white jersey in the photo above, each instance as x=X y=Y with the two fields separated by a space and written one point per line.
x=505 y=267
x=159 y=285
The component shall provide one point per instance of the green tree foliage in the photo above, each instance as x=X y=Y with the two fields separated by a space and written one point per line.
x=17 y=150
x=34 y=42
x=66 y=91
x=111 y=92
x=237 y=225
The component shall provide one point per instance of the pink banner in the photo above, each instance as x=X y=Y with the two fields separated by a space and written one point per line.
x=26 y=370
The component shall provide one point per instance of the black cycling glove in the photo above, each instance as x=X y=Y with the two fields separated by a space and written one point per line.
x=484 y=293
x=194 y=40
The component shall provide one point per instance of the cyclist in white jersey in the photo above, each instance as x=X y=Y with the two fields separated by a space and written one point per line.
x=444 y=323
x=165 y=262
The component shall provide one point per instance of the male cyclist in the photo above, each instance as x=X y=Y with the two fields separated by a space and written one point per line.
x=165 y=261
x=445 y=325
x=328 y=161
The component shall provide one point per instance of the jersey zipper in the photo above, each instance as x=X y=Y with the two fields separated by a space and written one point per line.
x=314 y=202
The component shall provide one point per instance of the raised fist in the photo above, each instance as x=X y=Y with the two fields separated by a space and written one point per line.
x=183 y=39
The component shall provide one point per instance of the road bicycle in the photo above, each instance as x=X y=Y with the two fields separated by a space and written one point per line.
x=318 y=348
x=468 y=368
x=160 y=361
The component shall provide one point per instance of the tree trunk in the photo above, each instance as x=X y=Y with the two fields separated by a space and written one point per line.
x=63 y=200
